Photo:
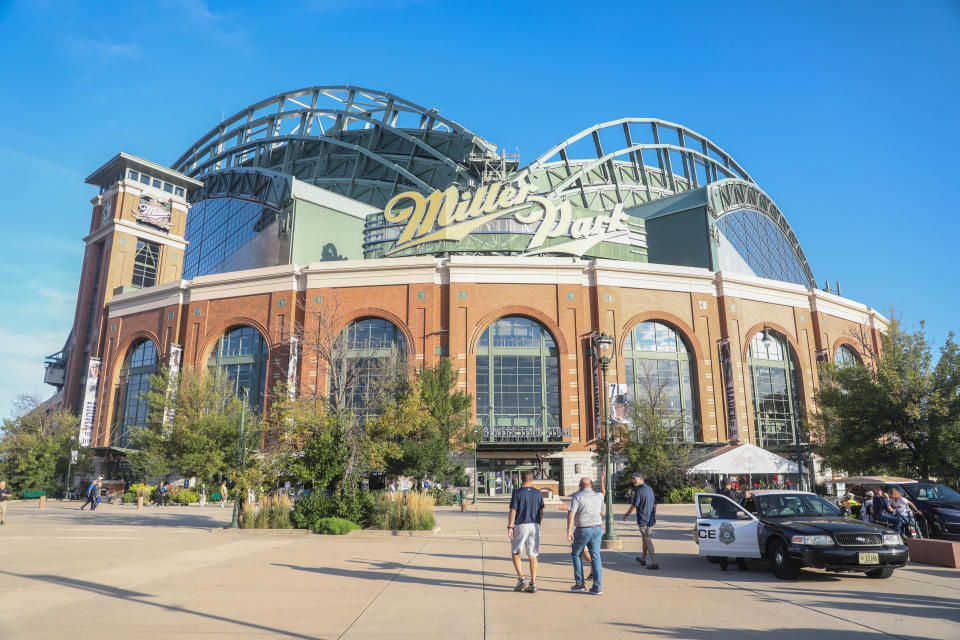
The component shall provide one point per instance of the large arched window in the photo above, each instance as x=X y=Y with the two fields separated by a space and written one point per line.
x=241 y=355
x=367 y=353
x=518 y=394
x=132 y=407
x=846 y=356
x=659 y=371
x=776 y=398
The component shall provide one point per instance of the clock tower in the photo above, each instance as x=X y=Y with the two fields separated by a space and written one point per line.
x=136 y=240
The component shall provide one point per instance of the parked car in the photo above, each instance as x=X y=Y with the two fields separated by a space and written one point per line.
x=792 y=530
x=939 y=505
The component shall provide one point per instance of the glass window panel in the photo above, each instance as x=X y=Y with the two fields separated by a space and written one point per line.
x=518 y=397
x=846 y=356
x=658 y=370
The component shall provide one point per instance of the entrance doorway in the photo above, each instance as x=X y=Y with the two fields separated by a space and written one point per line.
x=500 y=476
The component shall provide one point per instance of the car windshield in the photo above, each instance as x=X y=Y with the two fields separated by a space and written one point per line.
x=924 y=491
x=786 y=505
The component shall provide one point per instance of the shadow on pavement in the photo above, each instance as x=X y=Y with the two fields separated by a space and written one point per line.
x=141 y=598
x=898 y=603
x=930 y=571
x=707 y=633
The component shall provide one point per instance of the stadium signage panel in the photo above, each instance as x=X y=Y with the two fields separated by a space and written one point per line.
x=453 y=214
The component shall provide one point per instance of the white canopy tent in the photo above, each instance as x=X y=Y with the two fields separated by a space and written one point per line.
x=746 y=459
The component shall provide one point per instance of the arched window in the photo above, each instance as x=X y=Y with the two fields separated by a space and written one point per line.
x=241 y=355
x=776 y=398
x=659 y=370
x=132 y=407
x=367 y=352
x=846 y=356
x=518 y=394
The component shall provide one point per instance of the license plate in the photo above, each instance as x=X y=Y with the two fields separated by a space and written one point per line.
x=869 y=558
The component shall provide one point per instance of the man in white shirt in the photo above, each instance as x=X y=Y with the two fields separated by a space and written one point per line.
x=584 y=530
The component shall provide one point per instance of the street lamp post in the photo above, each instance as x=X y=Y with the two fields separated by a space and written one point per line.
x=66 y=482
x=474 y=501
x=235 y=522
x=601 y=348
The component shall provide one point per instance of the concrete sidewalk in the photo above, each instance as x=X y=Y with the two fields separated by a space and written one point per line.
x=160 y=573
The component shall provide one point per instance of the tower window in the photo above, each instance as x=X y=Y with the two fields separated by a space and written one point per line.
x=145 y=264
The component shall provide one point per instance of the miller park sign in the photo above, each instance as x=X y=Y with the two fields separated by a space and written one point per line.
x=504 y=218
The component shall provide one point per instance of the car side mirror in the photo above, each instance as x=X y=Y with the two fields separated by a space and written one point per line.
x=743 y=516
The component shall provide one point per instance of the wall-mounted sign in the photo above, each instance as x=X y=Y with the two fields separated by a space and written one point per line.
x=507 y=209
x=154 y=212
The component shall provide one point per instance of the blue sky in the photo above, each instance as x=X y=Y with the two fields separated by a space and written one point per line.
x=845 y=113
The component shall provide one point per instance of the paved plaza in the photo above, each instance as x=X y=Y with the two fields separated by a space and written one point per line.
x=162 y=573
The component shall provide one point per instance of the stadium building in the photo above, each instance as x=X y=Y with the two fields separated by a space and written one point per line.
x=407 y=232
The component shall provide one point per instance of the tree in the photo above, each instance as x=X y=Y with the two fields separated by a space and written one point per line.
x=194 y=429
x=444 y=429
x=308 y=444
x=893 y=413
x=652 y=439
x=34 y=446
x=363 y=383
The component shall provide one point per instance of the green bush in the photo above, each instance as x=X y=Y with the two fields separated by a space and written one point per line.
x=311 y=508
x=184 y=496
x=442 y=497
x=139 y=489
x=682 y=496
x=334 y=526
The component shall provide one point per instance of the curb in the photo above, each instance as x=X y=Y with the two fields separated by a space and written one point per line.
x=261 y=532
x=385 y=533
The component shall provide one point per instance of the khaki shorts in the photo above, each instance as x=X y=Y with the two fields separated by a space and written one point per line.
x=3 y=508
x=526 y=537
x=646 y=533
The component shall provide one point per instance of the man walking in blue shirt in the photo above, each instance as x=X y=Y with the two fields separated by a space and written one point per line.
x=523 y=529
x=645 y=505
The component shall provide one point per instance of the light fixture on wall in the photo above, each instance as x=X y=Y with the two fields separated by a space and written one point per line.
x=766 y=340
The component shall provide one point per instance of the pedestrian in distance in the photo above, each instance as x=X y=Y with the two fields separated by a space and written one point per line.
x=645 y=504
x=584 y=530
x=203 y=495
x=523 y=529
x=4 y=496
x=91 y=495
x=223 y=494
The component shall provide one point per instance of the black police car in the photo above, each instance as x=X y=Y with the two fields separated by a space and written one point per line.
x=795 y=529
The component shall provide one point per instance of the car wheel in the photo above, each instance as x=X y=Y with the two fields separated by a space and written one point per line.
x=881 y=573
x=781 y=564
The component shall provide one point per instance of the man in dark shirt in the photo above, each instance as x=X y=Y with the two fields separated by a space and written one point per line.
x=645 y=504
x=523 y=529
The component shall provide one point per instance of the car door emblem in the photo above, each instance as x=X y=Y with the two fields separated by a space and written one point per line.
x=726 y=533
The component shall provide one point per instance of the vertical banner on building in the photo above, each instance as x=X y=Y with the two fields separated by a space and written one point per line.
x=292 y=367
x=89 y=402
x=726 y=363
x=596 y=399
x=173 y=367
